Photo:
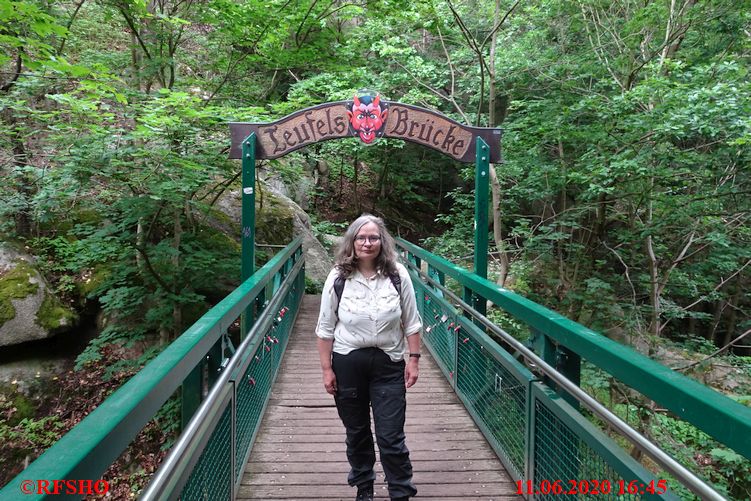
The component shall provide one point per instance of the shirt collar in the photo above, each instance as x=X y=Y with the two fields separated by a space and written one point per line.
x=359 y=275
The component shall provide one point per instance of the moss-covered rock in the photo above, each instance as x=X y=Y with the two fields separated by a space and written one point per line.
x=274 y=217
x=274 y=221
x=53 y=315
x=215 y=239
x=278 y=221
x=29 y=310
x=17 y=283
x=15 y=404
x=91 y=279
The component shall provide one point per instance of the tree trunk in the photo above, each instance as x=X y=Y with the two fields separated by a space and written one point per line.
x=654 y=296
x=177 y=314
x=495 y=185
x=140 y=243
x=732 y=321
x=24 y=184
x=356 y=200
x=135 y=58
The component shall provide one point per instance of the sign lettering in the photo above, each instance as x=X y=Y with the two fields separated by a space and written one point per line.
x=394 y=120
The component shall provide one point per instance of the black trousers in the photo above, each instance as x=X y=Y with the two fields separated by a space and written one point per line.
x=367 y=377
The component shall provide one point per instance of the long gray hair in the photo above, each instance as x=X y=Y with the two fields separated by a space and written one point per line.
x=346 y=259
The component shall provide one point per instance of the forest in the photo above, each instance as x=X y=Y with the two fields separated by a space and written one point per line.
x=623 y=200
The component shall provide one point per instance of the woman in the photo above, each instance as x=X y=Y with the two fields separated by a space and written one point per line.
x=368 y=318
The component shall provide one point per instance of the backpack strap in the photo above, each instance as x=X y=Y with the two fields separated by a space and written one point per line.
x=396 y=281
x=339 y=282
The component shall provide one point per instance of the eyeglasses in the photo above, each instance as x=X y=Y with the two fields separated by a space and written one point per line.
x=371 y=239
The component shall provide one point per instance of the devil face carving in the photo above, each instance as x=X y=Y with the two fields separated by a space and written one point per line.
x=367 y=117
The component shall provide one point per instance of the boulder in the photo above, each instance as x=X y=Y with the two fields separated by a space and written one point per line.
x=29 y=311
x=278 y=220
x=318 y=262
x=294 y=187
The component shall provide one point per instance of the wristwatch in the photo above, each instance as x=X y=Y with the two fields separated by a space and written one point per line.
x=414 y=355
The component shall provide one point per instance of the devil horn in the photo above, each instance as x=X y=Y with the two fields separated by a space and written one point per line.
x=357 y=101
x=376 y=100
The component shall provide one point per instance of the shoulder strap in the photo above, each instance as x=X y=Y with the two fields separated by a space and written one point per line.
x=396 y=280
x=339 y=282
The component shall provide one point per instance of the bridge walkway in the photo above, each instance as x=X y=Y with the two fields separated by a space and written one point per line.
x=299 y=452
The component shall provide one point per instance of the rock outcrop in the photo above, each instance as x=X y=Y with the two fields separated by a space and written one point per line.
x=29 y=311
x=278 y=220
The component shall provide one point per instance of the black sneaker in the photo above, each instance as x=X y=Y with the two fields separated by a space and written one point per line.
x=365 y=492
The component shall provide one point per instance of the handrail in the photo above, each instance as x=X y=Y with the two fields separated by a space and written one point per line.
x=708 y=410
x=88 y=449
x=688 y=478
x=167 y=479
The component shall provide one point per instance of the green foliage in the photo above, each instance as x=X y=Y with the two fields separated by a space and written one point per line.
x=453 y=243
x=729 y=472
x=321 y=228
x=735 y=469
x=312 y=286
x=168 y=421
x=38 y=433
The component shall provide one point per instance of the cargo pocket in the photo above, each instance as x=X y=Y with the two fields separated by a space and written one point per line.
x=351 y=409
x=389 y=405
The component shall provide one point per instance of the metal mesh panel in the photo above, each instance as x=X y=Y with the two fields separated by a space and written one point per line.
x=252 y=391
x=211 y=477
x=254 y=387
x=438 y=330
x=497 y=397
x=559 y=454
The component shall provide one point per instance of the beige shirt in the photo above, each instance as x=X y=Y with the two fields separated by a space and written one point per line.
x=371 y=313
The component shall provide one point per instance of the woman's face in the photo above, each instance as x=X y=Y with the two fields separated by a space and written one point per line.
x=368 y=242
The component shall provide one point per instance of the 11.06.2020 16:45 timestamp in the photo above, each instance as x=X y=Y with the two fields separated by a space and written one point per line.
x=592 y=487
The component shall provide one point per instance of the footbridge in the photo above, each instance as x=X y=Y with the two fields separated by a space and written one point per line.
x=491 y=417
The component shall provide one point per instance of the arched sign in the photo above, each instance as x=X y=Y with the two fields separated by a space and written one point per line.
x=369 y=118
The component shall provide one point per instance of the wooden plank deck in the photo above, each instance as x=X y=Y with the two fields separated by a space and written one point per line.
x=300 y=452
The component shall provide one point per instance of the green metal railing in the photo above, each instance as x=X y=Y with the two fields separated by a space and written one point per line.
x=528 y=406
x=225 y=432
x=208 y=460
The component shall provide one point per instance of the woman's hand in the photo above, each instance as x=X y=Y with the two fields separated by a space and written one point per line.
x=329 y=381
x=411 y=371
x=325 y=347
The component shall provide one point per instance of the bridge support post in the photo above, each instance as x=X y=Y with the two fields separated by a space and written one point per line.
x=248 y=238
x=564 y=360
x=482 y=184
x=192 y=392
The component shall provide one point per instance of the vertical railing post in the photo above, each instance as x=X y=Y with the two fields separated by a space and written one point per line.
x=562 y=359
x=248 y=237
x=191 y=394
x=482 y=183
x=214 y=362
x=568 y=363
x=439 y=277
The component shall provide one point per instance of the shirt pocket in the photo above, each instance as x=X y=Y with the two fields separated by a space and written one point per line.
x=356 y=304
x=389 y=300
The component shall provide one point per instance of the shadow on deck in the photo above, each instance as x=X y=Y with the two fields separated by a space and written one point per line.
x=300 y=453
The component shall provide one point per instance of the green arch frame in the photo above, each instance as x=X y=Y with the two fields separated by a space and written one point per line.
x=328 y=121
